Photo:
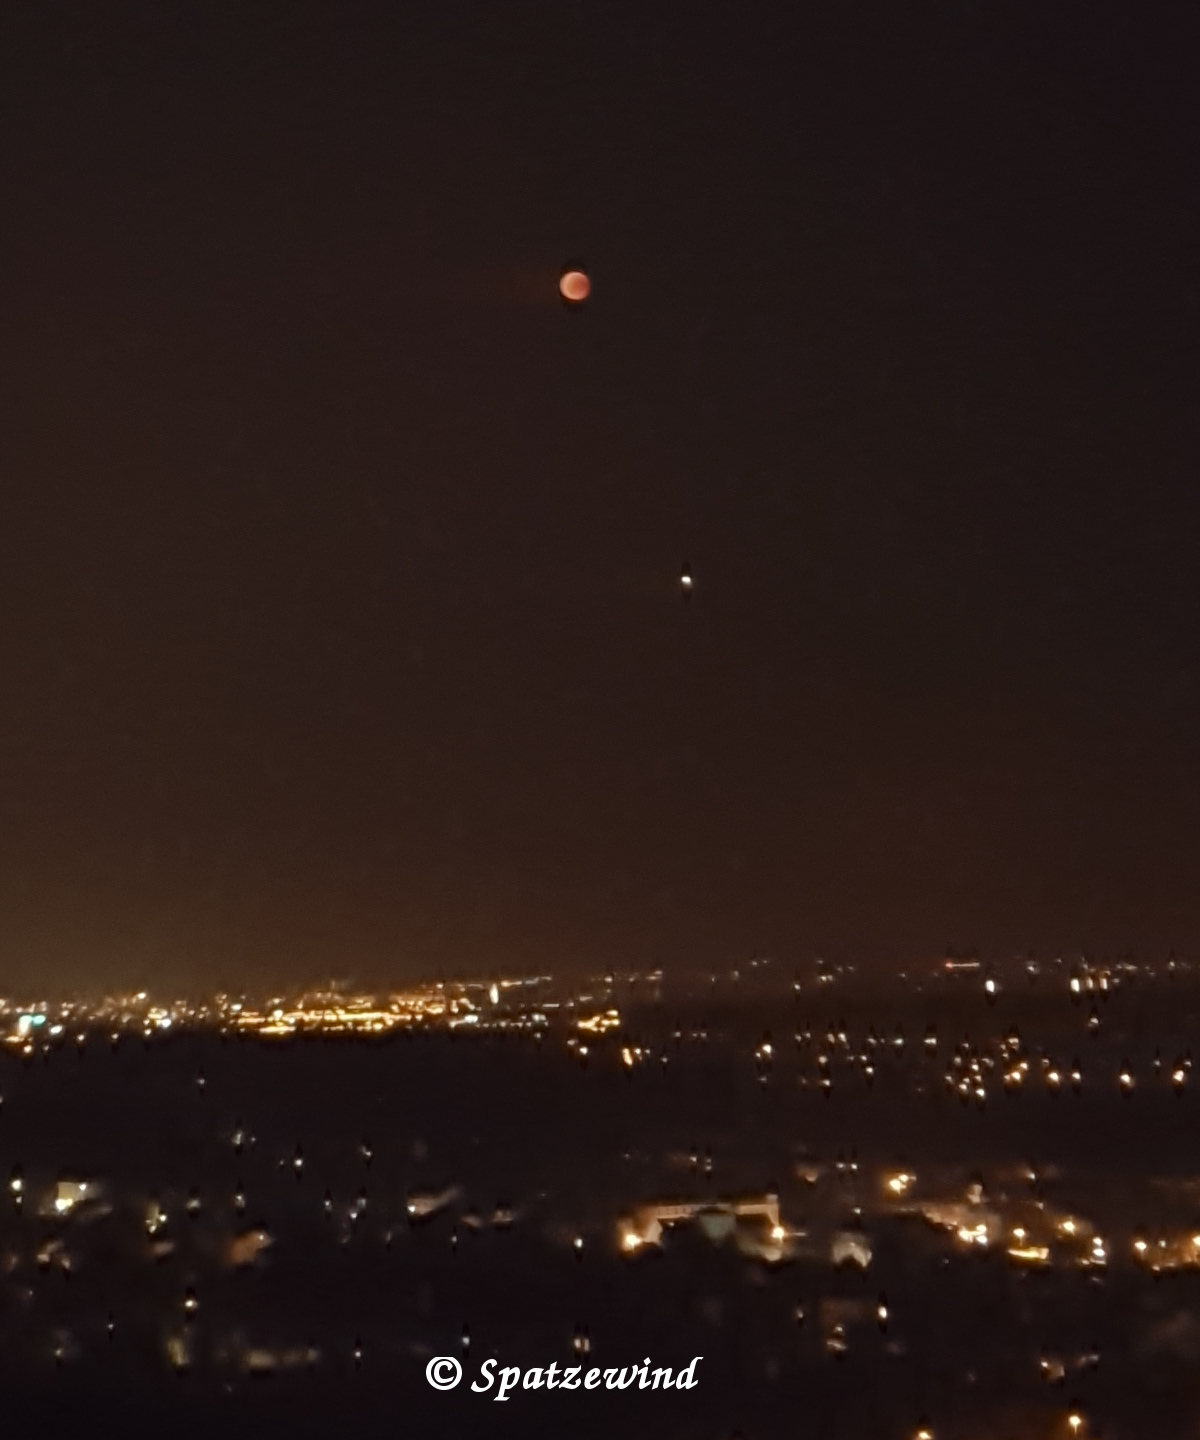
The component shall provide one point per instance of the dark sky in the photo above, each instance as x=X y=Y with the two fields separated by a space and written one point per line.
x=340 y=628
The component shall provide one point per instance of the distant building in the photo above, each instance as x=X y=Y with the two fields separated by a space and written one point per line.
x=753 y=1223
x=850 y=1247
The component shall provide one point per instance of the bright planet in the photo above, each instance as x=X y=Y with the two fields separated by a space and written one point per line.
x=575 y=286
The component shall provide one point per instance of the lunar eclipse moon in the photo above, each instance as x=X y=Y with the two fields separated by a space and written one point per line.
x=574 y=285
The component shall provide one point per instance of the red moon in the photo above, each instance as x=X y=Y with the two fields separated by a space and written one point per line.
x=575 y=286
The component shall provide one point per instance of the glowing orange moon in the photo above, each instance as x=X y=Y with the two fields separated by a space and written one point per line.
x=575 y=286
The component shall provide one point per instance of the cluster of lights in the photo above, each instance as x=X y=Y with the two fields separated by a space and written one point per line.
x=516 y=1004
x=1168 y=1252
x=600 y=1023
x=361 y=1015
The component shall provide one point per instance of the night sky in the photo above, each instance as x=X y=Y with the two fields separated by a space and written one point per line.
x=340 y=620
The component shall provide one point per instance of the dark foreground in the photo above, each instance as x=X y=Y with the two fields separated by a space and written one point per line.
x=428 y=1195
